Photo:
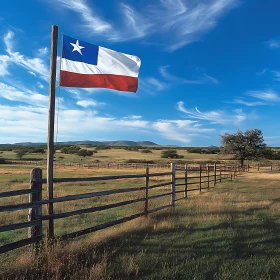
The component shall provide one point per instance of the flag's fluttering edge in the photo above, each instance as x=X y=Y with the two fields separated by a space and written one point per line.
x=86 y=65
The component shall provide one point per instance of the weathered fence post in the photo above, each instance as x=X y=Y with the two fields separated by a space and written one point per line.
x=220 y=173
x=215 y=173
x=200 y=171
x=173 y=182
x=186 y=181
x=35 y=212
x=248 y=168
x=258 y=167
x=208 y=177
x=271 y=168
x=146 y=210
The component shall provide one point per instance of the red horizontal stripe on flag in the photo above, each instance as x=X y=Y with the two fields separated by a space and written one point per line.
x=118 y=82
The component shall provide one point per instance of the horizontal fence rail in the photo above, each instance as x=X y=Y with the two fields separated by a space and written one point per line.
x=176 y=184
x=116 y=165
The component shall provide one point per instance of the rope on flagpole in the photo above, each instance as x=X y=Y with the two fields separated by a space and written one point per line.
x=57 y=113
x=58 y=96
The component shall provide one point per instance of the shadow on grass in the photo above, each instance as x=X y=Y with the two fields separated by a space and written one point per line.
x=183 y=251
x=184 y=243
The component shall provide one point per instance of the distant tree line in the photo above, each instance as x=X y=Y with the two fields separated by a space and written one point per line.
x=204 y=150
x=77 y=150
x=27 y=149
x=242 y=145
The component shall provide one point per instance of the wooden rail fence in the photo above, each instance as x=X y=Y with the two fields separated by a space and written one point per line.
x=180 y=181
x=108 y=165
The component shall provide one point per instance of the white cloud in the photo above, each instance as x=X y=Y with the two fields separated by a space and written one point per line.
x=20 y=123
x=135 y=117
x=204 y=78
x=248 y=103
x=132 y=123
x=152 y=85
x=180 y=130
x=183 y=21
x=179 y=22
x=262 y=72
x=40 y=85
x=276 y=75
x=22 y=95
x=163 y=71
x=35 y=65
x=89 y=103
x=212 y=79
x=158 y=85
x=92 y=21
x=216 y=117
x=4 y=63
x=29 y=123
x=32 y=73
x=273 y=44
x=42 y=51
x=136 y=26
x=8 y=41
x=266 y=95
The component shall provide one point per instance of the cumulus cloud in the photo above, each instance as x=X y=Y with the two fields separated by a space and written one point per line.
x=29 y=122
x=22 y=94
x=180 y=130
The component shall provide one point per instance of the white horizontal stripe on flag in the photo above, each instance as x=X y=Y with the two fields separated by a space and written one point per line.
x=108 y=62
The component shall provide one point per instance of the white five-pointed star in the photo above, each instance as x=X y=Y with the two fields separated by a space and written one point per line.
x=77 y=47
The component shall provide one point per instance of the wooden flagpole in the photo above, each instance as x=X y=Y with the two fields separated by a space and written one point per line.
x=50 y=231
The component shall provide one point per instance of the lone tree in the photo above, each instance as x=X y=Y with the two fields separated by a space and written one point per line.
x=84 y=153
x=20 y=153
x=170 y=153
x=247 y=145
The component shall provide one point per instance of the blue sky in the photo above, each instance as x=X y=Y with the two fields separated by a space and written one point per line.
x=208 y=67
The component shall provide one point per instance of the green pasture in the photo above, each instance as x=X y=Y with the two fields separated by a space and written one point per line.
x=13 y=178
x=117 y=155
x=231 y=231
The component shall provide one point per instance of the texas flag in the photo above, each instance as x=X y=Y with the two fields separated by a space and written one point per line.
x=86 y=65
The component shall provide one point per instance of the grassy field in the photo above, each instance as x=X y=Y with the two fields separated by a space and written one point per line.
x=229 y=232
x=13 y=178
x=120 y=155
